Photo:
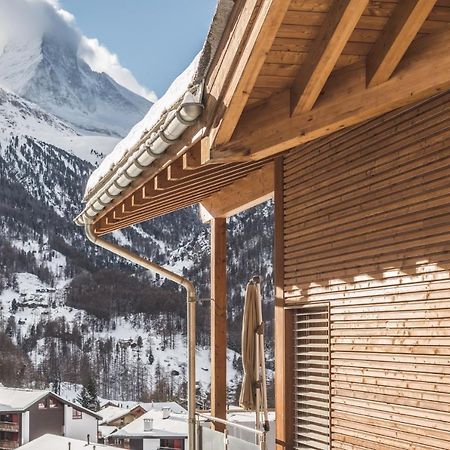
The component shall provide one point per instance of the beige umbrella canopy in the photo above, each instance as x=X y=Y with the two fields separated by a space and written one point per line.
x=247 y=399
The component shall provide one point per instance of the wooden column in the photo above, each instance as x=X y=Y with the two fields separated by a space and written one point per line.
x=283 y=333
x=218 y=318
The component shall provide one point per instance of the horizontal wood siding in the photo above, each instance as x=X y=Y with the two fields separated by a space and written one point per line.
x=367 y=229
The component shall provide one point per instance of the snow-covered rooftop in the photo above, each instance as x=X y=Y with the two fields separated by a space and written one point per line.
x=150 y=406
x=190 y=80
x=175 y=426
x=14 y=399
x=157 y=406
x=111 y=413
x=53 y=442
x=19 y=399
x=106 y=430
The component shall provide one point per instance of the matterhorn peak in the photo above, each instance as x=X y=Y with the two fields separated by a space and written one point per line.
x=51 y=74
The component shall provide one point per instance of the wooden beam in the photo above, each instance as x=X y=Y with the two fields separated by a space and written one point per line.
x=283 y=336
x=246 y=69
x=268 y=129
x=219 y=319
x=334 y=34
x=255 y=188
x=402 y=27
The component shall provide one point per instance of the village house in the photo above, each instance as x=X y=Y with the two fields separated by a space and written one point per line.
x=115 y=417
x=338 y=110
x=27 y=414
x=153 y=431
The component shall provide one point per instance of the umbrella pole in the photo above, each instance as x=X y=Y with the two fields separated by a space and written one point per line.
x=261 y=391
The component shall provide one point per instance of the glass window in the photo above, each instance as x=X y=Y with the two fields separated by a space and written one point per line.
x=52 y=403
x=42 y=405
x=76 y=414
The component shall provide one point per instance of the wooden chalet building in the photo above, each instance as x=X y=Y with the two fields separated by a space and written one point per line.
x=339 y=109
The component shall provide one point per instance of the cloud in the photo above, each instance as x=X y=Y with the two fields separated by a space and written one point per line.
x=28 y=20
x=102 y=60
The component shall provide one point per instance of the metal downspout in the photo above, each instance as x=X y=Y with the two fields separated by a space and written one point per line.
x=191 y=303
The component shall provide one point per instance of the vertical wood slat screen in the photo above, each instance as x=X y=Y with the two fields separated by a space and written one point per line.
x=312 y=377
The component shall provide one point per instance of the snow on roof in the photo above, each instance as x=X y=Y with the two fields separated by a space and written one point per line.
x=151 y=406
x=190 y=80
x=158 y=406
x=19 y=399
x=106 y=430
x=111 y=413
x=53 y=442
x=176 y=425
x=14 y=399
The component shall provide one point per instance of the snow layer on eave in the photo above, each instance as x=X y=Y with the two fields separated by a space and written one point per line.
x=193 y=76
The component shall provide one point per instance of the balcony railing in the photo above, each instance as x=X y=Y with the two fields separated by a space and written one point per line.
x=208 y=439
x=9 y=426
x=8 y=445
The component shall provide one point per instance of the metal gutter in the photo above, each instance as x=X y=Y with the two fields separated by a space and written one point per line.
x=191 y=315
x=175 y=124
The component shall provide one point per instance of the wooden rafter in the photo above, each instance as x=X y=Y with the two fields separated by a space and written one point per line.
x=245 y=193
x=260 y=38
x=269 y=128
x=335 y=32
x=146 y=203
x=402 y=27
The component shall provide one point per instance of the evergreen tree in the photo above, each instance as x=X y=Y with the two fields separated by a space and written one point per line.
x=88 y=397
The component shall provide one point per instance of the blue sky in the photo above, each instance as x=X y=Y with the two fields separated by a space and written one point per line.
x=155 y=39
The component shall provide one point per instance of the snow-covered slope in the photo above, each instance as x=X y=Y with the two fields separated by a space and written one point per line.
x=19 y=117
x=53 y=281
x=52 y=75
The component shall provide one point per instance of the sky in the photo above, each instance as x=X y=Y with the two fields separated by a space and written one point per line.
x=155 y=39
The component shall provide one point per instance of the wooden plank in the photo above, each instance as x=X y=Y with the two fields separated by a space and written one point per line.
x=245 y=193
x=269 y=129
x=334 y=34
x=219 y=319
x=402 y=27
x=283 y=326
x=259 y=41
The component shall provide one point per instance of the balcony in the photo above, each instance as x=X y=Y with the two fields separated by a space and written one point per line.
x=9 y=426
x=209 y=439
x=8 y=445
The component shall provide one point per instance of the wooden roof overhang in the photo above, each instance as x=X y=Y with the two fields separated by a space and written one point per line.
x=288 y=72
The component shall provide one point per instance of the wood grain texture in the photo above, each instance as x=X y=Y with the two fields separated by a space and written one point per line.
x=366 y=223
x=219 y=319
x=323 y=55
x=402 y=27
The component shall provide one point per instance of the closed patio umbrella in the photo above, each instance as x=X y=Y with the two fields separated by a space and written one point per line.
x=253 y=390
x=247 y=399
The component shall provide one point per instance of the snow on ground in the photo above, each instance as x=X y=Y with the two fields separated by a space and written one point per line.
x=53 y=260
x=37 y=301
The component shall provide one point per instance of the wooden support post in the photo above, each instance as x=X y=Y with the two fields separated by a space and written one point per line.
x=218 y=319
x=283 y=334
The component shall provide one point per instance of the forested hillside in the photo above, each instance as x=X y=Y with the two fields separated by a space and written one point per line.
x=71 y=311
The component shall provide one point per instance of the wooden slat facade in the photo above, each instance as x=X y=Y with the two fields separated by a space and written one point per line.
x=366 y=229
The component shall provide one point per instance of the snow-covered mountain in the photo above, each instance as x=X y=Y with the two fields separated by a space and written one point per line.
x=50 y=73
x=64 y=306
x=19 y=117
